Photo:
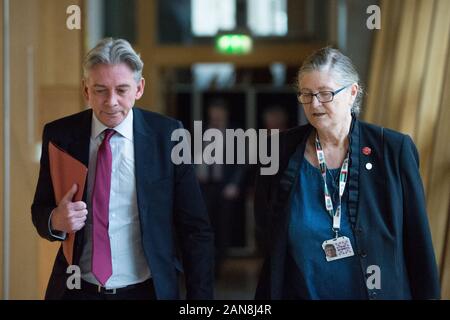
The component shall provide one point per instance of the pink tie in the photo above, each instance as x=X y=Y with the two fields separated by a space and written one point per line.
x=101 y=247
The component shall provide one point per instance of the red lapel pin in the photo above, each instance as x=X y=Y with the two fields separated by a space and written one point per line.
x=366 y=151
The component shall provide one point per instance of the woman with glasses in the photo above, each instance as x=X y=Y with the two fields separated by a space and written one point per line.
x=344 y=184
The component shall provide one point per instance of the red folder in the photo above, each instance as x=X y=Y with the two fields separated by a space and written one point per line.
x=65 y=171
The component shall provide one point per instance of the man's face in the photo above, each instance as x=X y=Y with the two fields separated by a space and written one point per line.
x=111 y=90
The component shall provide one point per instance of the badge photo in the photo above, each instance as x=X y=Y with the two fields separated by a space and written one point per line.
x=337 y=248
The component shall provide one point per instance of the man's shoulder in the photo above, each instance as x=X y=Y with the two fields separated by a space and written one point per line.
x=156 y=120
x=70 y=120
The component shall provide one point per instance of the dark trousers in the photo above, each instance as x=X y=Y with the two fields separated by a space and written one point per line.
x=88 y=291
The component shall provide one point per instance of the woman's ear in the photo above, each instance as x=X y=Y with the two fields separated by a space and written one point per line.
x=354 y=92
x=354 y=89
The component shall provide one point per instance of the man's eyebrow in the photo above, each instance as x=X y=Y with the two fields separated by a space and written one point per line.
x=99 y=85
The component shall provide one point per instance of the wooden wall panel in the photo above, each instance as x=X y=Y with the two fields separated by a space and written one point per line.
x=23 y=249
x=46 y=70
x=58 y=101
x=262 y=55
x=420 y=30
x=433 y=79
x=60 y=47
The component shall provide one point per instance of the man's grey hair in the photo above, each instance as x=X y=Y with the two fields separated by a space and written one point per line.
x=113 y=51
x=344 y=72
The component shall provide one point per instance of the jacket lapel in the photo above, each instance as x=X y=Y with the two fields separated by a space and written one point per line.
x=353 y=177
x=78 y=146
x=145 y=159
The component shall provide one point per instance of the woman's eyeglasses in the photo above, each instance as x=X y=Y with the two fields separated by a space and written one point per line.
x=322 y=96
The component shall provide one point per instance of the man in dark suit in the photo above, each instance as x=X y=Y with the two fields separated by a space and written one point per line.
x=142 y=219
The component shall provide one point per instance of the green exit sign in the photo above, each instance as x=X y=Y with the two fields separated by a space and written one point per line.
x=234 y=44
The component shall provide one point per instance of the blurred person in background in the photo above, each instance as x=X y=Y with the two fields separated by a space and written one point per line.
x=275 y=117
x=221 y=185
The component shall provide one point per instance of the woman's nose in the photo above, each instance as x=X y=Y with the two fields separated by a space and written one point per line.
x=315 y=101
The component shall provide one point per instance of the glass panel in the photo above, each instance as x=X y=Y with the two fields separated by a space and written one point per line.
x=198 y=21
x=120 y=20
x=174 y=21
x=210 y=16
x=267 y=17
x=216 y=75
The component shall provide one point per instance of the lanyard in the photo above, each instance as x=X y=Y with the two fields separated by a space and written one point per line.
x=336 y=215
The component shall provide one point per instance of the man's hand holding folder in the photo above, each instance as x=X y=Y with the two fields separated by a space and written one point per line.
x=69 y=216
x=68 y=179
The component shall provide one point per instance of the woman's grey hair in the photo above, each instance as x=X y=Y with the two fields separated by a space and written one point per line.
x=344 y=72
x=114 y=51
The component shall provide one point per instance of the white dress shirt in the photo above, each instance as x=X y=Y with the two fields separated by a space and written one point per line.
x=129 y=265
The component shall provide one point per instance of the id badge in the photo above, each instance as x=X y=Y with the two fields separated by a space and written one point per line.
x=337 y=248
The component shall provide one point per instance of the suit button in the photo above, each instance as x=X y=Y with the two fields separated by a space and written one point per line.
x=363 y=254
x=357 y=230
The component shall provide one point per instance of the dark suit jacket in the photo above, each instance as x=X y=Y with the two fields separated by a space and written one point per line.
x=386 y=207
x=172 y=214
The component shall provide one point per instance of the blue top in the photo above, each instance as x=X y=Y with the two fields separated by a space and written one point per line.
x=309 y=226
